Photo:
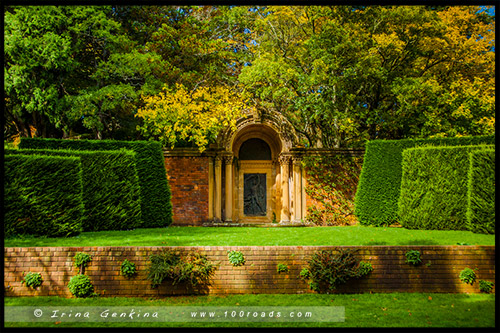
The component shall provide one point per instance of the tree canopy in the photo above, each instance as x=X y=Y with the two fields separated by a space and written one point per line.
x=338 y=74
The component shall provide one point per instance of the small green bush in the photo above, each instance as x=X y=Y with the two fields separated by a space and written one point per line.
x=434 y=187
x=379 y=186
x=485 y=286
x=468 y=276
x=364 y=268
x=43 y=196
x=81 y=260
x=413 y=257
x=305 y=274
x=33 y=280
x=81 y=286
x=282 y=268
x=236 y=258
x=481 y=192
x=128 y=269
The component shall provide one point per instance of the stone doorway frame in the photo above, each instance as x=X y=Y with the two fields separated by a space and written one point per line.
x=285 y=175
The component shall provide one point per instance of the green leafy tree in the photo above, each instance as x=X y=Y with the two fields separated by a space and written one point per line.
x=38 y=62
x=72 y=67
x=202 y=50
x=341 y=75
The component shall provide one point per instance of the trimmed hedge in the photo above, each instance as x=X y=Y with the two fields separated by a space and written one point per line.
x=481 y=192
x=377 y=195
x=111 y=192
x=43 y=195
x=434 y=187
x=156 y=205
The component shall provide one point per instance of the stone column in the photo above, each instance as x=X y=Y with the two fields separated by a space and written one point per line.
x=218 y=189
x=284 y=161
x=228 y=161
x=304 y=195
x=297 y=189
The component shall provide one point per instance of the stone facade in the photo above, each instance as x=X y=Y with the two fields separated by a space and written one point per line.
x=209 y=187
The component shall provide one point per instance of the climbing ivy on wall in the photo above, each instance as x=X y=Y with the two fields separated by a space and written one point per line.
x=331 y=184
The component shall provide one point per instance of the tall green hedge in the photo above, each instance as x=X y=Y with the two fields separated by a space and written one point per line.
x=434 y=187
x=43 y=195
x=111 y=192
x=481 y=192
x=156 y=205
x=376 y=201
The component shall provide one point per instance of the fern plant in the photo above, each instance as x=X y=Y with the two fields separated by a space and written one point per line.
x=328 y=269
x=193 y=268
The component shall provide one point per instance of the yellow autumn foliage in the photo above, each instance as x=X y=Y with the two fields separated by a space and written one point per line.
x=196 y=116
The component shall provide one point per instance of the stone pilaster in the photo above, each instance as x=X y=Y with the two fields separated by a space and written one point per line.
x=218 y=189
x=228 y=161
x=284 y=161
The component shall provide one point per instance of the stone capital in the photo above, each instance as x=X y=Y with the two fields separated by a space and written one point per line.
x=218 y=160
x=228 y=159
x=284 y=159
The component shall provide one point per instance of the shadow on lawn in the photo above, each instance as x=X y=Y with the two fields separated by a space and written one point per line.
x=376 y=243
x=420 y=242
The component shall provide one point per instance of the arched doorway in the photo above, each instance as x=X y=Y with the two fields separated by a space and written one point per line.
x=256 y=148
x=256 y=179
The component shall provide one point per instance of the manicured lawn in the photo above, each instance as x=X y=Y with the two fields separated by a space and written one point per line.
x=361 y=310
x=260 y=236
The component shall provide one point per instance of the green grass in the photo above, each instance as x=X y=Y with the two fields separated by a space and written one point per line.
x=261 y=236
x=361 y=310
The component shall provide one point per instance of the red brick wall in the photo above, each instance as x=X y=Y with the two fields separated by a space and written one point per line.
x=439 y=271
x=188 y=178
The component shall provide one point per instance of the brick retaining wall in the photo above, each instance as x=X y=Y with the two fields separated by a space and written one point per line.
x=438 y=273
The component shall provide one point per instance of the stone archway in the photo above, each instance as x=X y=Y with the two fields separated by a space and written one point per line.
x=256 y=148
x=248 y=186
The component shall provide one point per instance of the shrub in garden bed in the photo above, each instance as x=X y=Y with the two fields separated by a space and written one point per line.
x=156 y=206
x=111 y=192
x=43 y=195
x=377 y=195
x=434 y=187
